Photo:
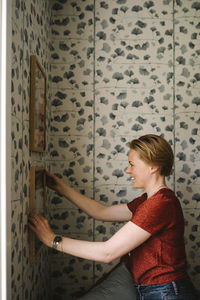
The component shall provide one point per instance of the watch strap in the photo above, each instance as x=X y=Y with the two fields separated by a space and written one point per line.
x=57 y=240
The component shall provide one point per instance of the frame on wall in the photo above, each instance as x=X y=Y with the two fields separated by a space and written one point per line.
x=37 y=106
x=37 y=204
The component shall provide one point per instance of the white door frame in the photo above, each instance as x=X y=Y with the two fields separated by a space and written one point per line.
x=5 y=148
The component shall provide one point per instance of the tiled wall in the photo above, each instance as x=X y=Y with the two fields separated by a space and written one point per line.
x=72 y=135
x=30 y=31
x=187 y=125
x=119 y=69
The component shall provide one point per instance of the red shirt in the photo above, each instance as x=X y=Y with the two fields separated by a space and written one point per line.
x=162 y=257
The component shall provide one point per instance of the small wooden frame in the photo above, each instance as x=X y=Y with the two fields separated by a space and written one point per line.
x=37 y=204
x=37 y=106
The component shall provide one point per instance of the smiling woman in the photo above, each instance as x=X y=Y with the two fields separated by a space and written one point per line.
x=155 y=151
x=154 y=232
x=150 y=155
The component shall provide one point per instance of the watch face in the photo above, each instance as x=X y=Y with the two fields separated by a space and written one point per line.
x=58 y=239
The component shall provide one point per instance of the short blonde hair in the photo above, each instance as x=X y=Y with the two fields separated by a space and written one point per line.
x=156 y=151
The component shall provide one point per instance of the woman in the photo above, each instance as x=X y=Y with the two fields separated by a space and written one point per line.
x=154 y=232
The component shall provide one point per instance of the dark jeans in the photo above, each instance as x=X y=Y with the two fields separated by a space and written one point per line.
x=176 y=290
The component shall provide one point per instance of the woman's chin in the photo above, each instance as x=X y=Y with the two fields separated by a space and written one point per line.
x=136 y=186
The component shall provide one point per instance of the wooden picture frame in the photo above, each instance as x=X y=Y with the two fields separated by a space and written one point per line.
x=37 y=106
x=37 y=204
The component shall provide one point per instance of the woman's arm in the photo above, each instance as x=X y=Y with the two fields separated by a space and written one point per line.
x=126 y=239
x=89 y=206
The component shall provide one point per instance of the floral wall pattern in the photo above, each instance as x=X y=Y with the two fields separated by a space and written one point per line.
x=121 y=69
x=30 y=27
x=117 y=69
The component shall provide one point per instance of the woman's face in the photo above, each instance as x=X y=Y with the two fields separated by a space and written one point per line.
x=139 y=171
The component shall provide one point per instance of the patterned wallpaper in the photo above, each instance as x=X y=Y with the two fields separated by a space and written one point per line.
x=119 y=69
x=30 y=35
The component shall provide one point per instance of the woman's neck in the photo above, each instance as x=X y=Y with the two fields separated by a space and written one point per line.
x=154 y=188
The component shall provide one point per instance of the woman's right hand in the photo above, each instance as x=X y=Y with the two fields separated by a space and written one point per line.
x=54 y=182
x=42 y=229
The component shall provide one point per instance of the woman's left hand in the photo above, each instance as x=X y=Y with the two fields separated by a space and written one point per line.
x=40 y=226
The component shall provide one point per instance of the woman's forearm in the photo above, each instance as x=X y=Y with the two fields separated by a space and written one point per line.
x=129 y=237
x=89 y=206
x=97 y=251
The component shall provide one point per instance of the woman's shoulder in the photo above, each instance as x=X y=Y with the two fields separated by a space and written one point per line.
x=169 y=194
x=165 y=196
x=137 y=201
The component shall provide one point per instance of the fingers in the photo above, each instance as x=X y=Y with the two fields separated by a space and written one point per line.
x=38 y=222
x=40 y=226
x=50 y=175
x=51 y=179
x=41 y=219
x=31 y=226
x=36 y=219
x=32 y=222
x=33 y=218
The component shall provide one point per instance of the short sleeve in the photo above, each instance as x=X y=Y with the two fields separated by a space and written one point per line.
x=135 y=202
x=154 y=214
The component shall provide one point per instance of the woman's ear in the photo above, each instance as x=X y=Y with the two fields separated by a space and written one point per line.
x=154 y=169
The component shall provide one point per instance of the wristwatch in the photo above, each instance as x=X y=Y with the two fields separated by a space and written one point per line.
x=56 y=241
